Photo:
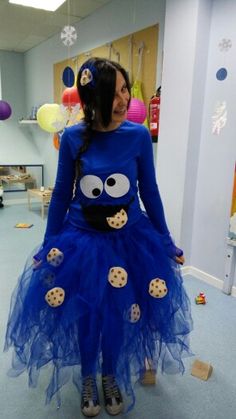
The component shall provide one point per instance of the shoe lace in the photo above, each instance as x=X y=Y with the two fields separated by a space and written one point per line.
x=89 y=390
x=110 y=387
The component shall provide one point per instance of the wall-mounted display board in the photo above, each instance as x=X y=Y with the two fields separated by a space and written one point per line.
x=126 y=51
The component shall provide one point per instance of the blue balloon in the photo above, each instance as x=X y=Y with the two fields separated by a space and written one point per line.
x=68 y=77
x=221 y=74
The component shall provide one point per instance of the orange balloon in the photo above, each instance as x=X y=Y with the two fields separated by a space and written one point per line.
x=56 y=141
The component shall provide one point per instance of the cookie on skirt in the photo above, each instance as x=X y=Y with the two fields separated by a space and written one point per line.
x=55 y=297
x=55 y=257
x=158 y=288
x=117 y=277
x=134 y=313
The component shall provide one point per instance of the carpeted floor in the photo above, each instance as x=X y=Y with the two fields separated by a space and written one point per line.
x=173 y=397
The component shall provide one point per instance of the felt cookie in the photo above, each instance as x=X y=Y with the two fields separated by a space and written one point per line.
x=117 y=277
x=157 y=288
x=134 y=313
x=55 y=257
x=118 y=220
x=55 y=297
x=86 y=77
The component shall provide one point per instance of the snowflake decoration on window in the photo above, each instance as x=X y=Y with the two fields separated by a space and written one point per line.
x=219 y=118
x=225 y=45
x=68 y=35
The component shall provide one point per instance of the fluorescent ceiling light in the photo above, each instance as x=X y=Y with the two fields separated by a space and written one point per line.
x=51 y=5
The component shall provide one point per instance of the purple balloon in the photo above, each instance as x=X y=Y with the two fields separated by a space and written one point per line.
x=5 y=110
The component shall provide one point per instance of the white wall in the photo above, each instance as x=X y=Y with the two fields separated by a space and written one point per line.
x=217 y=153
x=16 y=144
x=184 y=67
x=195 y=168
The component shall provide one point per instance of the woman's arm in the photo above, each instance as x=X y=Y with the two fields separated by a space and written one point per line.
x=150 y=196
x=63 y=190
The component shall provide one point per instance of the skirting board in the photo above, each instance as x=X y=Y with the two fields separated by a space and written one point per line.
x=205 y=277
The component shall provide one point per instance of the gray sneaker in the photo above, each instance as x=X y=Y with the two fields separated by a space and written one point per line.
x=90 y=405
x=112 y=395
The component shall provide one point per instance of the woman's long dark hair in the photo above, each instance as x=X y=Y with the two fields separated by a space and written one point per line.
x=97 y=97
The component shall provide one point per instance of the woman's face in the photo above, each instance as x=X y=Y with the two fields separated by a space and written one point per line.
x=121 y=100
x=119 y=107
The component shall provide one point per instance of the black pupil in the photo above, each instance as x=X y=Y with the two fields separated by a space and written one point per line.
x=96 y=192
x=111 y=181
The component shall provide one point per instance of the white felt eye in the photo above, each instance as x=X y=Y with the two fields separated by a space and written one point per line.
x=91 y=186
x=117 y=185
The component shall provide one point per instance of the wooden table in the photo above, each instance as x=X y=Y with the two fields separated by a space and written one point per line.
x=43 y=196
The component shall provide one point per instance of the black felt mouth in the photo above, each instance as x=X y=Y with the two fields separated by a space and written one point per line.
x=96 y=215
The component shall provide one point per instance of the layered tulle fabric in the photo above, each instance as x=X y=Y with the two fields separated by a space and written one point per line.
x=107 y=301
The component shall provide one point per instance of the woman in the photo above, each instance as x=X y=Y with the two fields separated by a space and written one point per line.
x=104 y=292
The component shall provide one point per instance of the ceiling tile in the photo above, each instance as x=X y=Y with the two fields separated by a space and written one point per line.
x=22 y=28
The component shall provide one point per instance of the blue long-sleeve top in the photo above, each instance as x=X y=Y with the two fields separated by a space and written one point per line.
x=117 y=166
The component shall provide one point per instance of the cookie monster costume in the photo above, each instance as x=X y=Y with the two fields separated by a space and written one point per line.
x=104 y=292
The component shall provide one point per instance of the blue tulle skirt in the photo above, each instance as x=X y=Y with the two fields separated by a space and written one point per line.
x=96 y=302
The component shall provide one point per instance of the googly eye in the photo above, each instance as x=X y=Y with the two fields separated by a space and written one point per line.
x=91 y=186
x=117 y=185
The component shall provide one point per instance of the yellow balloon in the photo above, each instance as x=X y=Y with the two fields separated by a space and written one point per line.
x=52 y=117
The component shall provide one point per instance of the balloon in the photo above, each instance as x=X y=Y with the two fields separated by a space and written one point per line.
x=52 y=117
x=68 y=77
x=70 y=96
x=57 y=139
x=5 y=110
x=137 y=111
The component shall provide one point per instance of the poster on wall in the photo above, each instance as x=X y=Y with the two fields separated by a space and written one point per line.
x=232 y=225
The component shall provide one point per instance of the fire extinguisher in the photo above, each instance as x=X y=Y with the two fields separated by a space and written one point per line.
x=154 y=114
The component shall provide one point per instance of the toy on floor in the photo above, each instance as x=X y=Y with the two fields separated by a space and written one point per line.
x=23 y=225
x=201 y=370
x=201 y=298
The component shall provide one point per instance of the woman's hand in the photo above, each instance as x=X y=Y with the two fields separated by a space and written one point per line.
x=180 y=259
x=172 y=250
